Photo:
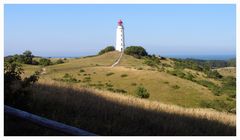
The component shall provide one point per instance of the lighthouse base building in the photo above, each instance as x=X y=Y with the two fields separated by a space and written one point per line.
x=120 y=43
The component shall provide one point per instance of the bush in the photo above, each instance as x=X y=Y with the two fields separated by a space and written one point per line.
x=150 y=63
x=45 y=62
x=177 y=73
x=87 y=79
x=16 y=91
x=229 y=86
x=134 y=84
x=34 y=62
x=59 y=61
x=142 y=92
x=213 y=74
x=116 y=90
x=124 y=75
x=166 y=82
x=210 y=85
x=107 y=49
x=69 y=78
x=219 y=105
x=110 y=73
x=175 y=87
x=81 y=70
x=189 y=76
x=108 y=85
x=136 y=51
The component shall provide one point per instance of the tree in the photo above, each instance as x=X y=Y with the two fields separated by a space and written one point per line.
x=16 y=91
x=107 y=49
x=27 y=57
x=136 y=51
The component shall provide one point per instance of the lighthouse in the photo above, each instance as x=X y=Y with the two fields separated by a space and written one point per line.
x=120 y=43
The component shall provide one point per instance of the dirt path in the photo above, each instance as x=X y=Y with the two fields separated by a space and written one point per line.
x=118 y=60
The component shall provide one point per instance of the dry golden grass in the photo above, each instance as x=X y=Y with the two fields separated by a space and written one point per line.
x=227 y=71
x=107 y=113
x=210 y=114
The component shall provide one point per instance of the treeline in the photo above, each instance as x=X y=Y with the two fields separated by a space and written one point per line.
x=28 y=58
x=209 y=63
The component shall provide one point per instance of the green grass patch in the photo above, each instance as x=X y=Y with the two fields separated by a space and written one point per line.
x=220 y=105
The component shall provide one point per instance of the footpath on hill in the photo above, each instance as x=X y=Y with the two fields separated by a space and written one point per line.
x=118 y=60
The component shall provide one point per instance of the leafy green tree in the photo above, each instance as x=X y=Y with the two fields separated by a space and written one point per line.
x=136 y=51
x=27 y=57
x=16 y=91
x=107 y=49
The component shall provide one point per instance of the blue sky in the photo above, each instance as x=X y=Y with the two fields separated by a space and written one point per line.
x=78 y=30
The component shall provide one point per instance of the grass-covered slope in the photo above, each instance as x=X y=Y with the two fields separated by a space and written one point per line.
x=227 y=71
x=87 y=93
x=95 y=72
x=105 y=113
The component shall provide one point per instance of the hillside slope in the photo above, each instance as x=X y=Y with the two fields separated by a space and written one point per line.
x=95 y=72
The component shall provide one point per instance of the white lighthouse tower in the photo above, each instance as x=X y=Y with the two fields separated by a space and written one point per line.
x=120 y=43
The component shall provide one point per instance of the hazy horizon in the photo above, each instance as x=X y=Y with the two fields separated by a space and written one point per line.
x=81 y=30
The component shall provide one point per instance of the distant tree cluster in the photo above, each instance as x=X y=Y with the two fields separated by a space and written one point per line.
x=136 y=51
x=27 y=58
x=107 y=49
x=24 y=58
x=205 y=64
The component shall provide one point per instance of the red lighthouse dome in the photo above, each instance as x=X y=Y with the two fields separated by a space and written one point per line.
x=120 y=22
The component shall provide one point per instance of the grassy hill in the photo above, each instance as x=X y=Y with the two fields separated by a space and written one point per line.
x=95 y=72
x=227 y=71
x=87 y=93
